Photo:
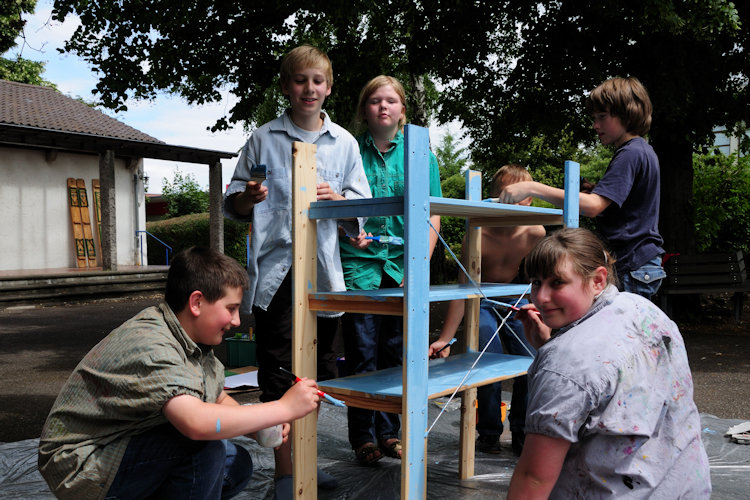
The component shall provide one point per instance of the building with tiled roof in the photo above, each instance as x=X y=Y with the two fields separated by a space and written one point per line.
x=47 y=138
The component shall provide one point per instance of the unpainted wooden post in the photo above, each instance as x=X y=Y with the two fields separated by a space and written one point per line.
x=304 y=324
x=473 y=262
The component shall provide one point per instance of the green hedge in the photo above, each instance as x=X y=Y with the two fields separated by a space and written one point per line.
x=193 y=230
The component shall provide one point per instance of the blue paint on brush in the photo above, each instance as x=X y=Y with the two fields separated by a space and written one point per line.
x=386 y=240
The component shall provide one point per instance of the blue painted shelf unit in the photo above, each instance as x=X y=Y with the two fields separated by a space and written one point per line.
x=424 y=379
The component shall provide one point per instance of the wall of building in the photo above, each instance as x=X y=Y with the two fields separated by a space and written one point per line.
x=36 y=230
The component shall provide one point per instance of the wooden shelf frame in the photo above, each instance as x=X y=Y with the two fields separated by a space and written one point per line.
x=424 y=379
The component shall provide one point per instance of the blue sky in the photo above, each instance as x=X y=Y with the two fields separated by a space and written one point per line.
x=167 y=118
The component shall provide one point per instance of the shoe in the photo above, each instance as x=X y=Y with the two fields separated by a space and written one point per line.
x=391 y=448
x=326 y=481
x=517 y=440
x=489 y=444
x=283 y=487
x=368 y=454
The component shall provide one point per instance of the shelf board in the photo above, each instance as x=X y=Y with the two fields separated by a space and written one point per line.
x=390 y=301
x=479 y=212
x=383 y=390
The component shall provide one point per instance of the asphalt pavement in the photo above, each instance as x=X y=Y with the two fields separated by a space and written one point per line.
x=41 y=344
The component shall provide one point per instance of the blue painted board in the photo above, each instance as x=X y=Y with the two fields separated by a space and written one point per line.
x=437 y=293
x=443 y=376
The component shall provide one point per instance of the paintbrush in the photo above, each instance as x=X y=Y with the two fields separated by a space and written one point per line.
x=322 y=394
x=450 y=343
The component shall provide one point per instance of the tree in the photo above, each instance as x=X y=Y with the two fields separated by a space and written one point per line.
x=510 y=70
x=693 y=56
x=183 y=195
x=17 y=69
x=197 y=49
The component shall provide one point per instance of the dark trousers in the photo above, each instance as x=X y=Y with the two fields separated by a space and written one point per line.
x=161 y=463
x=273 y=338
x=372 y=342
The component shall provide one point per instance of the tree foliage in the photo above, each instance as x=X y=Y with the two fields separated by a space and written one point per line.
x=183 y=195
x=510 y=70
x=17 y=69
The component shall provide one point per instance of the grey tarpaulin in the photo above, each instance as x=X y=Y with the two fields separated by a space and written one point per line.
x=730 y=465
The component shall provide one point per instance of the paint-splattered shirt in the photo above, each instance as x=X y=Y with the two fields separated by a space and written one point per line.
x=617 y=385
x=118 y=391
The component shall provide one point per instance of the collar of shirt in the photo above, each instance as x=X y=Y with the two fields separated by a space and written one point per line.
x=287 y=126
x=370 y=142
x=191 y=348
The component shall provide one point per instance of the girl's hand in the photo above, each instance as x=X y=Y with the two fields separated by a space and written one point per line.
x=537 y=333
x=326 y=193
x=360 y=242
x=302 y=398
x=436 y=346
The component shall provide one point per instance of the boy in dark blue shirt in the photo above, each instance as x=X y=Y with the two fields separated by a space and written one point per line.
x=626 y=199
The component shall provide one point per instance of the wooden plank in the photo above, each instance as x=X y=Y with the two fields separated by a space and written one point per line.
x=706 y=279
x=706 y=258
x=79 y=242
x=304 y=324
x=97 y=196
x=416 y=312
x=473 y=263
x=359 y=304
x=83 y=203
x=711 y=268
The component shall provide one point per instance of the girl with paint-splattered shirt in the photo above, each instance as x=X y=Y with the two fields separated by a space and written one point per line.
x=611 y=411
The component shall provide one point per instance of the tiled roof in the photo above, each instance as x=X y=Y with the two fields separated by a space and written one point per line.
x=46 y=108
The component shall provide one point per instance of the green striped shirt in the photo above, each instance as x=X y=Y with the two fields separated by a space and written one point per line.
x=117 y=391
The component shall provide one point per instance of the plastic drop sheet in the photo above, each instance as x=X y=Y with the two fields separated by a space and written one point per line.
x=730 y=464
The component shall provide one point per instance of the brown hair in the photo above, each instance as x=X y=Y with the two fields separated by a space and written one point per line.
x=203 y=269
x=625 y=98
x=585 y=250
x=509 y=174
x=373 y=85
x=303 y=57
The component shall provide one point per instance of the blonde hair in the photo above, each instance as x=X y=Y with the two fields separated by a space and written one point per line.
x=625 y=98
x=303 y=57
x=509 y=174
x=585 y=251
x=373 y=85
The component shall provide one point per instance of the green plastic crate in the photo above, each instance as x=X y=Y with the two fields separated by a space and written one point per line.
x=240 y=352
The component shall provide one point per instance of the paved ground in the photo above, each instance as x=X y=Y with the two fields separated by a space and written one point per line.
x=40 y=346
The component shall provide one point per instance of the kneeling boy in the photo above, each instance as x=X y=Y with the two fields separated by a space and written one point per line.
x=144 y=414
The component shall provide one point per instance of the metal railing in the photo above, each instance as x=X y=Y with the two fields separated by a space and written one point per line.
x=168 y=248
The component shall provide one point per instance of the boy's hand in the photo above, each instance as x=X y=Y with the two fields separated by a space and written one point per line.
x=436 y=346
x=302 y=398
x=255 y=192
x=537 y=333
x=515 y=193
x=360 y=242
x=325 y=192
x=285 y=429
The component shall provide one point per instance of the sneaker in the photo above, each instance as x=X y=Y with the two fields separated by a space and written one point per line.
x=489 y=444
x=517 y=440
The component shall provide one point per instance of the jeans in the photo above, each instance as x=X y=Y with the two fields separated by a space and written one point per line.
x=489 y=419
x=644 y=281
x=161 y=463
x=371 y=342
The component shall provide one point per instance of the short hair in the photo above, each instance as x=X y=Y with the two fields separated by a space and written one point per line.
x=373 y=85
x=625 y=98
x=303 y=57
x=203 y=269
x=509 y=174
x=585 y=250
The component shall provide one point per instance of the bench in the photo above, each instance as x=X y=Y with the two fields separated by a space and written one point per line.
x=705 y=274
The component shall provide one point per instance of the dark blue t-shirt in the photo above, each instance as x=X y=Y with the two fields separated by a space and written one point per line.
x=630 y=224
